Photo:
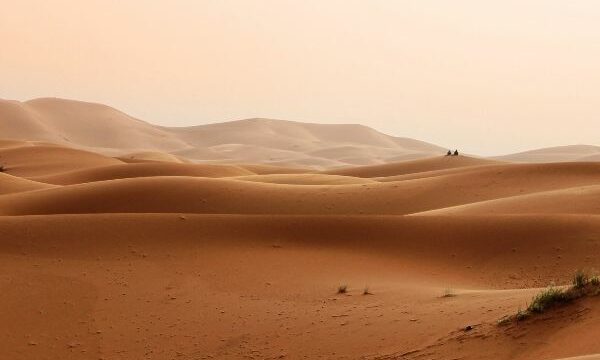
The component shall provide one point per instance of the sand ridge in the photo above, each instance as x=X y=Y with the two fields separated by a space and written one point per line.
x=230 y=196
x=139 y=170
x=435 y=163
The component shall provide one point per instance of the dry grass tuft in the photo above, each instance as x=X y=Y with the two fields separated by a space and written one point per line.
x=583 y=285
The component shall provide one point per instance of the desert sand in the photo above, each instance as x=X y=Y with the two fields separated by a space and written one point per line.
x=124 y=240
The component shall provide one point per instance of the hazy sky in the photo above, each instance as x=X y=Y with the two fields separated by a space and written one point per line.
x=488 y=77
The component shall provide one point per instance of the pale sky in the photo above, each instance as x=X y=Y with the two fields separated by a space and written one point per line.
x=488 y=77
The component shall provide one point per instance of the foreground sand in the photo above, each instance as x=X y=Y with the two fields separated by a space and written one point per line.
x=101 y=258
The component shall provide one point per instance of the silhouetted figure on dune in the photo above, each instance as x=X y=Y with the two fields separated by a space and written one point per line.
x=449 y=153
x=455 y=152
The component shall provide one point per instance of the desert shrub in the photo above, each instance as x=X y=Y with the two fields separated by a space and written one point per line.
x=522 y=315
x=366 y=291
x=342 y=289
x=547 y=298
x=580 y=280
x=583 y=285
x=2 y=168
x=505 y=320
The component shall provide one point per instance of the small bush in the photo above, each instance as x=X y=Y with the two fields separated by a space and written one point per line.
x=580 y=280
x=547 y=298
x=342 y=289
x=366 y=291
x=505 y=320
x=595 y=280
x=2 y=168
x=522 y=315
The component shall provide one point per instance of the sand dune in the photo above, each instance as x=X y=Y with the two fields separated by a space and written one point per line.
x=43 y=160
x=81 y=124
x=263 y=169
x=150 y=156
x=104 y=129
x=580 y=200
x=556 y=154
x=595 y=157
x=6 y=144
x=101 y=128
x=11 y=184
x=306 y=179
x=138 y=170
x=434 y=173
x=411 y=167
x=229 y=196
x=293 y=136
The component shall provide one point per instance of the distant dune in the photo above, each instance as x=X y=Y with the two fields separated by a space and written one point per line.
x=284 y=143
x=78 y=123
x=571 y=153
x=103 y=129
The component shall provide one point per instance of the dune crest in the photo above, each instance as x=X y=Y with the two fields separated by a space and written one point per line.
x=12 y=184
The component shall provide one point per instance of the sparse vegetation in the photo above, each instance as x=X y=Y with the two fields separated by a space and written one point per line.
x=580 y=279
x=2 y=169
x=505 y=320
x=521 y=315
x=583 y=285
x=547 y=298
x=342 y=289
x=366 y=291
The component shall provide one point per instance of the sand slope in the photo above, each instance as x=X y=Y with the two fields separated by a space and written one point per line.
x=160 y=194
x=411 y=167
x=579 y=200
x=35 y=160
x=12 y=184
x=150 y=156
x=80 y=284
x=305 y=179
x=137 y=170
